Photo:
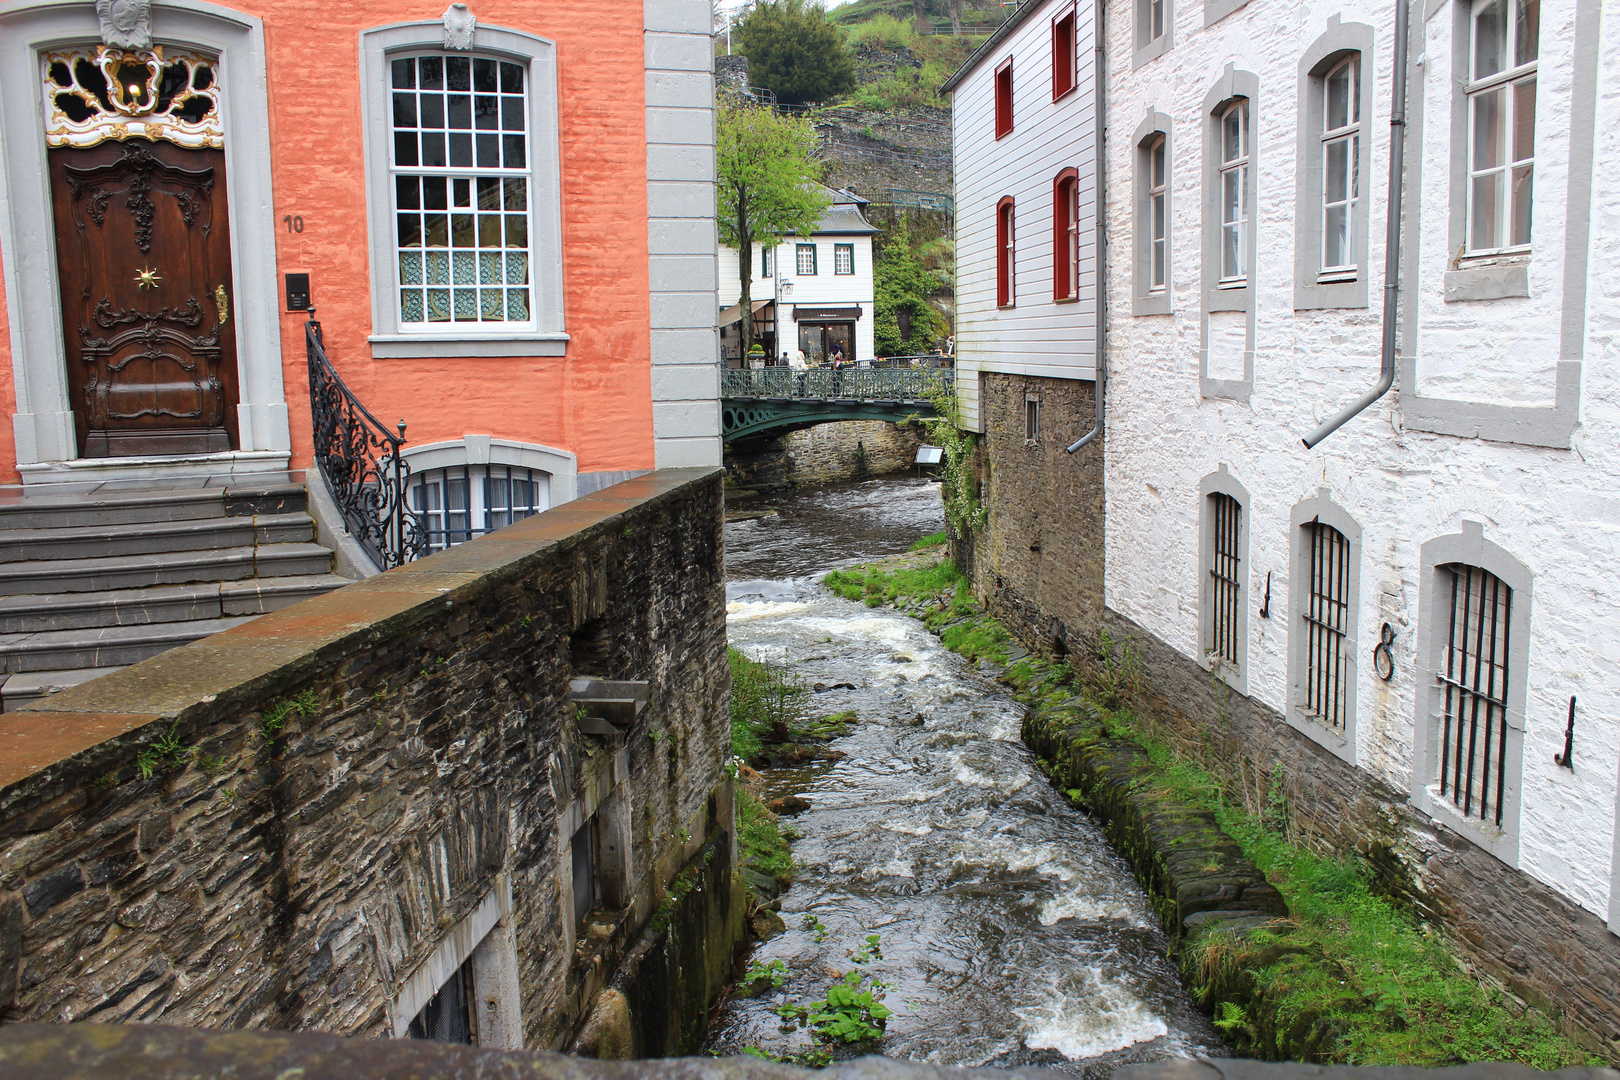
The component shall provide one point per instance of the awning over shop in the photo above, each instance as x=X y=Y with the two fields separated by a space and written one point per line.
x=734 y=312
x=826 y=314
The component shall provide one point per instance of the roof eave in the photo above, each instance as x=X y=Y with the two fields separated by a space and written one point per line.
x=1002 y=33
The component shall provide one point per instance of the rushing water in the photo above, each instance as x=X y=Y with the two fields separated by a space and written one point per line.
x=1012 y=934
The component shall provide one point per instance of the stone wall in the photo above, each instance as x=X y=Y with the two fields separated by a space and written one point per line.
x=1037 y=566
x=824 y=454
x=310 y=821
x=1516 y=931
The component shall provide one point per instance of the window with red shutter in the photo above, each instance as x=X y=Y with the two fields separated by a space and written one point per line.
x=1063 y=58
x=1004 y=98
x=1005 y=295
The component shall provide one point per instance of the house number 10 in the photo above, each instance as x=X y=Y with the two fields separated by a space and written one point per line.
x=294 y=222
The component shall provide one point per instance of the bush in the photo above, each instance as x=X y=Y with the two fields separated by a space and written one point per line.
x=883 y=32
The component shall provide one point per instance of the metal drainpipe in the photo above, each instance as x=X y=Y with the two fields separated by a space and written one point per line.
x=1392 y=235
x=1100 y=261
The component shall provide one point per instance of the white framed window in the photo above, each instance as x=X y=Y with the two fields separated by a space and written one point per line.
x=460 y=165
x=1154 y=28
x=1504 y=39
x=843 y=258
x=806 y=255
x=464 y=193
x=458 y=503
x=1158 y=182
x=1234 y=185
x=1341 y=166
x=764 y=260
x=1323 y=594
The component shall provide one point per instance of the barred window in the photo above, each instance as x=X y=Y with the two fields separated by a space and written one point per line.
x=461 y=172
x=456 y=504
x=1226 y=581
x=1474 y=679
x=1326 y=614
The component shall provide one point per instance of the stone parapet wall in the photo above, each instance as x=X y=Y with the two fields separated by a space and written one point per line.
x=305 y=821
x=1515 y=930
x=1038 y=566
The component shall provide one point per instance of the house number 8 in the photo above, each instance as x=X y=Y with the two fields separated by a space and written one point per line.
x=294 y=222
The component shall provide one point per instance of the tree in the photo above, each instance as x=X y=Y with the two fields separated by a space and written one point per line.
x=766 y=187
x=902 y=286
x=795 y=52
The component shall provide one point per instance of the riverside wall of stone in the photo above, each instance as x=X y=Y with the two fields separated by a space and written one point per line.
x=824 y=454
x=309 y=821
x=1512 y=929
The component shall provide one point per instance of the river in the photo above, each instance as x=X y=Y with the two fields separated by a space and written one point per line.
x=1012 y=934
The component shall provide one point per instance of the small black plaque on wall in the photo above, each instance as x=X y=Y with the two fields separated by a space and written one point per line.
x=297 y=292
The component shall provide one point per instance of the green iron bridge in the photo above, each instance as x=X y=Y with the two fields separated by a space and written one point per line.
x=774 y=401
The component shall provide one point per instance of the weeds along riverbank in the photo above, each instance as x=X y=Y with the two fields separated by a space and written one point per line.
x=1292 y=952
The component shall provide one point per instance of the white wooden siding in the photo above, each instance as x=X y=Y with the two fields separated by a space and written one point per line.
x=824 y=289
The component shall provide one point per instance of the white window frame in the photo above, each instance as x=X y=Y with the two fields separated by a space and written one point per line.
x=800 y=252
x=765 y=255
x=1227 y=169
x=1506 y=82
x=546 y=334
x=1154 y=30
x=843 y=256
x=1348 y=136
x=1158 y=213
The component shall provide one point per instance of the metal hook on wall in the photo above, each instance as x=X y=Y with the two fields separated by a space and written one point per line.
x=1265 y=608
x=1567 y=758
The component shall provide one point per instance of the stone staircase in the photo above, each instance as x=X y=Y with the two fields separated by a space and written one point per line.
x=90 y=583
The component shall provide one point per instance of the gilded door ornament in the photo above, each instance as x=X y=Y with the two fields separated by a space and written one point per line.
x=148 y=278
x=222 y=304
x=93 y=95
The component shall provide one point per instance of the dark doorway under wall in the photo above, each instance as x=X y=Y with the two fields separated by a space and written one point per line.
x=448 y=1016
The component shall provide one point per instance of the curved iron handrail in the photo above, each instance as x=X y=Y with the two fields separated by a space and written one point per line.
x=361 y=463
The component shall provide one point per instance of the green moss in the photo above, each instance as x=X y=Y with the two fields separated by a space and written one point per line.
x=931 y=540
x=759 y=834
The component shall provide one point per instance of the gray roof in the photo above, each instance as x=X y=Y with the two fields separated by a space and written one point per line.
x=1002 y=32
x=844 y=215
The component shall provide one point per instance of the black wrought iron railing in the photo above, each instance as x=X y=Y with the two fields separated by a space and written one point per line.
x=860 y=384
x=361 y=463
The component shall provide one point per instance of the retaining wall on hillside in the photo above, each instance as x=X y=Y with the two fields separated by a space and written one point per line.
x=825 y=454
x=314 y=820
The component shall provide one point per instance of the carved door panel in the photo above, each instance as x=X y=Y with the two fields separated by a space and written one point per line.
x=144 y=257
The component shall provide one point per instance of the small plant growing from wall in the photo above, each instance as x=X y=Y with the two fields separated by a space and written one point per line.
x=273 y=719
x=958 y=488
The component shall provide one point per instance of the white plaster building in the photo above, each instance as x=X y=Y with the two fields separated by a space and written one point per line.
x=1025 y=129
x=1259 y=133
x=809 y=292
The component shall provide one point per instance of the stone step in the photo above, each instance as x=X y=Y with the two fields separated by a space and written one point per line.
x=132 y=507
x=25 y=687
x=43 y=576
x=162 y=604
x=147 y=538
x=106 y=646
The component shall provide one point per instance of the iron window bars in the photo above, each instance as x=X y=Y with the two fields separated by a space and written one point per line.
x=1226 y=581
x=1475 y=678
x=1326 y=615
x=458 y=503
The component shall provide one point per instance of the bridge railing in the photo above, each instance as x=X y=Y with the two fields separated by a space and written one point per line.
x=859 y=384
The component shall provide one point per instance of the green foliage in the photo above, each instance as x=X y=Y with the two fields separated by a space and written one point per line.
x=794 y=51
x=775 y=972
x=765 y=190
x=273 y=719
x=852 y=1009
x=958 y=487
x=815 y=927
x=931 y=540
x=760 y=836
x=767 y=704
x=164 y=753
x=883 y=32
x=902 y=284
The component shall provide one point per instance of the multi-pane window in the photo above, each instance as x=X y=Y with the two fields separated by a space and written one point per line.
x=461 y=190
x=1004 y=99
x=1326 y=614
x=1063 y=55
x=843 y=258
x=806 y=254
x=1066 y=236
x=764 y=260
x=1158 y=183
x=1473 y=676
x=1226 y=581
x=456 y=504
x=1341 y=157
x=1004 y=252
x=1504 y=39
x=1234 y=190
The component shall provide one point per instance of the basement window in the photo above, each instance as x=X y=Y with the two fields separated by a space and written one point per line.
x=456 y=504
x=449 y=1017
x=1032 y=420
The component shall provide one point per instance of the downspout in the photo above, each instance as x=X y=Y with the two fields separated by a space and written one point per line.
x=1101 y=260
x=1392 y=235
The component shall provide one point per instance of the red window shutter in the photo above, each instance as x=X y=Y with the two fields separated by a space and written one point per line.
x=1004 y=98
x=1063 y=58
x=1065 y=254
x=1004 y=252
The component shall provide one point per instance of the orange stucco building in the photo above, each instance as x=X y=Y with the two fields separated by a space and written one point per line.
x=600 y=365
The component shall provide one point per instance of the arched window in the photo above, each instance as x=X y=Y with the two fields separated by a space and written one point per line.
x=1158 y=181
x=1341 y=161
x=1235 y=184
x=1324 y=593
x=1006 y=294
x=1223 y=523
x=1066 y=235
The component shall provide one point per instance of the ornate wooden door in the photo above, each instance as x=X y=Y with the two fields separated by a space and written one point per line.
x=144 y=257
